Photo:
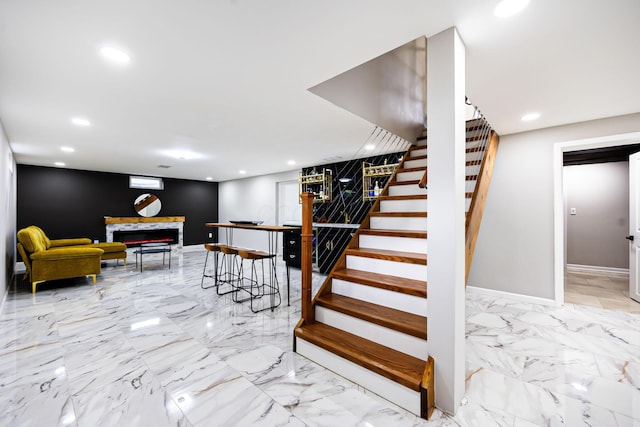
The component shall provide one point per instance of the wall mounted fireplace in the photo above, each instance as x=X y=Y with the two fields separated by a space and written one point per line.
x=136 y=230
x=138 y=237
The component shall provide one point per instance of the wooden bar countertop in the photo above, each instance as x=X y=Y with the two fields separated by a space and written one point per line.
x=275 y=228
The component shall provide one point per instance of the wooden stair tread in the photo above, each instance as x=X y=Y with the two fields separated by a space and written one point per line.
x=401 y=321
x=385 y=254
x=473 y=163
x=406 y=197
x=416 y=169
x=422 y=157
x=383 y=281
x=477 y=138
x=400 y=214
x=472 y=177
x=392 y=364
x=474 y=150
x=412 y=182
x=415 y=234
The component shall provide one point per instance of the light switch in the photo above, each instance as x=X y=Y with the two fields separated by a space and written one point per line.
x=573 y=211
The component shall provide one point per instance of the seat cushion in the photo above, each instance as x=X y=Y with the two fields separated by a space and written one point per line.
x=109 y=247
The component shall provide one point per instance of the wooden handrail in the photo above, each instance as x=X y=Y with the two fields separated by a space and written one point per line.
x=476 y=209
x=308 y=314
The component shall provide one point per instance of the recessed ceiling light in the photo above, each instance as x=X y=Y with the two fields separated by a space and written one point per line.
x=59 y=163
x=530 y=116
x=209 y=178
x=182 y=154
x=79 y=121
x=242 y=172
x=369 y=147
x=67 y=149
x=508 y=8
x=115 y=55
x=291 y=162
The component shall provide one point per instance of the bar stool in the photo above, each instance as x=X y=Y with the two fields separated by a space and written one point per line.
x=215 y=248
x=230 y=269
x=257 y=289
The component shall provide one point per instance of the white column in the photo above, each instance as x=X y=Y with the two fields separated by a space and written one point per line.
x=446 y=187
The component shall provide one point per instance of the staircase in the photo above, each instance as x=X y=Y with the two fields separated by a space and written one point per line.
x=370 y=324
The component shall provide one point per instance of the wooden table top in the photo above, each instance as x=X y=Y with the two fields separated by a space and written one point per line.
x=275 y=228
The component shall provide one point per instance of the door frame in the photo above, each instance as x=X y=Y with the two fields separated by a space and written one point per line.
x=559 y=226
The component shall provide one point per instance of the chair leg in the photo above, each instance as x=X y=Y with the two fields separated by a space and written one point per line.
x=33 y=285
x=204 y=272
x=272 y=287
x=227 y=274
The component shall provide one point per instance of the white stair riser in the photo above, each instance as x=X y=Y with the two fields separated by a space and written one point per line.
x=476 y=143
x=467 y=204
x=417 y=205
x=405 y=244
x=472 y=170
x=383 y=387
x=418 y=163
x=404 y=343
x=392 y=268
x=409 y=176
x=420 y=152
x=399 y=223
x=406 y=190
x=396 y=300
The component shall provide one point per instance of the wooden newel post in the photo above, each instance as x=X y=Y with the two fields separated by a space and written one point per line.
x=308 y=316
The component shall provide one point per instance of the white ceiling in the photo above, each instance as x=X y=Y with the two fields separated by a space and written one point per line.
x=228 y=80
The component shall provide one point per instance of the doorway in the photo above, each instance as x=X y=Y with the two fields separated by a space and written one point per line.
x=289 y=209
x=578 y=279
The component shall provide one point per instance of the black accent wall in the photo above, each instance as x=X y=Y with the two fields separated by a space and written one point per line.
x=73 y=203
x=347 y=197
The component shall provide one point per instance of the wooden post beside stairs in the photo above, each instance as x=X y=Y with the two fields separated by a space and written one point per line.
x=308 y=315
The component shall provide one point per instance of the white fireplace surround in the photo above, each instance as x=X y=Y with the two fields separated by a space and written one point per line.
x=127 y=224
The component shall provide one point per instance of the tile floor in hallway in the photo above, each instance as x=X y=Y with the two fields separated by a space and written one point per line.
x=602 y=290
x=154 y=349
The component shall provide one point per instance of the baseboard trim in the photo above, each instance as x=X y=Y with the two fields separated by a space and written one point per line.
x=597 y=269
x=515 y=297
x=193 y=248
x=19 y=268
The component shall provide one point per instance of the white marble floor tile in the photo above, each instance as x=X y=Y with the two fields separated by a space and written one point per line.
x=153 y=348
x=136 y=399
x=226 y=399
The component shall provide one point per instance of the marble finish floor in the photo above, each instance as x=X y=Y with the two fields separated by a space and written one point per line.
x=600 y=290
x=154 y=349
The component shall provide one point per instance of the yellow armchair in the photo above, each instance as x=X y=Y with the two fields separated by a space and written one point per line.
x=47 y=262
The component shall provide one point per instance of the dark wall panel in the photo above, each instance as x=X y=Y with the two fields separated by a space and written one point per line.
x=73 y=203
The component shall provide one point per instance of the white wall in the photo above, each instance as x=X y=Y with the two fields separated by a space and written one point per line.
x=599 y=193
x=515 y=249
x=251 y=199
x=8 y=214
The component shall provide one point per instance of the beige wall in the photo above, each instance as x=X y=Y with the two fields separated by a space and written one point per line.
x=599 y=193
x=515 y=249
x=8 y=214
